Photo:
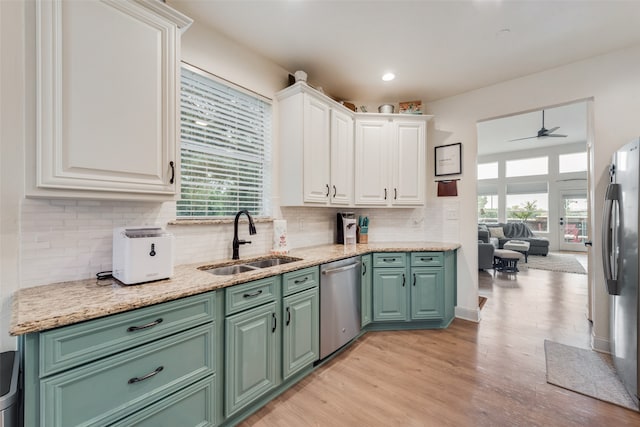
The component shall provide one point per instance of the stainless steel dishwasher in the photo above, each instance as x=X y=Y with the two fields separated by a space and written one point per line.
x=339 y=304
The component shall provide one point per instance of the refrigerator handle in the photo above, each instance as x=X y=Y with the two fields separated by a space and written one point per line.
x=612 y=195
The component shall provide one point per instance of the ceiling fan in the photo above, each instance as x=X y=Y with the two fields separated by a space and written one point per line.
x=543 y=133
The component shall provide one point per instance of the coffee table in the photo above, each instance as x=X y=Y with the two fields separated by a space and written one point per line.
x=506 y=260
x=518 y=246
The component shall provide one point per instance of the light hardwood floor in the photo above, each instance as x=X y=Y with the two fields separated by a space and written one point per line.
x=486 y=374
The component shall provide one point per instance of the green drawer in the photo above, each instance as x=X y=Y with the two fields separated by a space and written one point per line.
x=70 y=346
x=391 y=259
x=105 y=391
x=252 y=294
x=191 y=407
x=427 y=259
x=296 y=281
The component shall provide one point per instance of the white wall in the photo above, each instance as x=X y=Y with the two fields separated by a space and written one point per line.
x=11 y=143
x=611 y=80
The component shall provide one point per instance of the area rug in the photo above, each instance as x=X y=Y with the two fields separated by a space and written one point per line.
x=586 y=372
x=564 y=263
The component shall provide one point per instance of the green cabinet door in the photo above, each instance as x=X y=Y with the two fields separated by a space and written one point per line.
x=366 y=291
x=427 y=293
x=252 y=355
x=389 y=294
x=301 y=328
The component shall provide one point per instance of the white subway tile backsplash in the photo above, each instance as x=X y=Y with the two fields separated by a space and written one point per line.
x=65 y=240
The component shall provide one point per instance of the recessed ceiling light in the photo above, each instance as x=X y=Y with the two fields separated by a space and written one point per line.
x=503 y=32
x=388 y=77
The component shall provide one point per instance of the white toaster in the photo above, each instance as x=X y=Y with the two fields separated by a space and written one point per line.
x=142 y=254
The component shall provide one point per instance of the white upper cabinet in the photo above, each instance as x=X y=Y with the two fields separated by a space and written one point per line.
x=372 y=162
x=316 y=149
x=408 y=174
x=107 y=98
x=341 y=158
x=390 y=160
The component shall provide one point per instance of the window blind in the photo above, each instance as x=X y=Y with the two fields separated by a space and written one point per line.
x=225 y=149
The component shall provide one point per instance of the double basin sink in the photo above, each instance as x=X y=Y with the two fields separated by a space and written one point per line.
x=243 y=266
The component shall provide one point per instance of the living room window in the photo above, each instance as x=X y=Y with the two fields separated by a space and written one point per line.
x=527 y=167
x=225 y=148
x=488 y=170
x=529 y=203
x=572 y=162
x=488 y=208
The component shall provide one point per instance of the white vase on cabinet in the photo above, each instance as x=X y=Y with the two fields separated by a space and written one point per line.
x=107 y=117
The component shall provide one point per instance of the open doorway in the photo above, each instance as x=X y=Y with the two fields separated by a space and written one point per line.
x=533 y=171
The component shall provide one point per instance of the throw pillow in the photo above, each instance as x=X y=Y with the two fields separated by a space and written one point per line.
x=497 y=232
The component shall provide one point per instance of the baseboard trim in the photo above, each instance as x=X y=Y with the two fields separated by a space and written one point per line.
x=600 y=344
x=471 y=314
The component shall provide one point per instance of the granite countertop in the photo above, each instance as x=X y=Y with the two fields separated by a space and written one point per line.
x=49 y=306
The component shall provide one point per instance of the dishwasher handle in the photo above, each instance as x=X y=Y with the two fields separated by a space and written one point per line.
x=339 y=269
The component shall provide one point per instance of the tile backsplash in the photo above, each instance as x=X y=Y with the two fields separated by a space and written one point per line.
x=65 y=240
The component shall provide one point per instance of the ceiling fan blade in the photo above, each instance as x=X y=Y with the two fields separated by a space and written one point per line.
x=553 y=129
x=557 y=135
x=520 y=139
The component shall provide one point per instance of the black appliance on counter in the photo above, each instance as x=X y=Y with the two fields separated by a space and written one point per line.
x=340 y=225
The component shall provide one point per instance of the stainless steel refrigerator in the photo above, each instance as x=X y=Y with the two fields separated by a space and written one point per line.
x=620 y=261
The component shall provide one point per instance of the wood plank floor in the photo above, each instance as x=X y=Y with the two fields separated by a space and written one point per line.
x=486 y=374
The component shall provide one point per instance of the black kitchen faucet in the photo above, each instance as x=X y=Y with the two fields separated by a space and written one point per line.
x=236 y=241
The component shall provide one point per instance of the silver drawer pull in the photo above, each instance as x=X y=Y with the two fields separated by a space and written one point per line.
x=145 y=377
x=297 y=282
x=148 y=325
x=255 y=294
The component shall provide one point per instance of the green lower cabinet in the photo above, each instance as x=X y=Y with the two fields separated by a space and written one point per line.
x=366 y=285
x=252 y=347
x=422 y=292
x=389 y=294
x=102 y=392
x=427 y=293
x=191 y=407
x=301 y=329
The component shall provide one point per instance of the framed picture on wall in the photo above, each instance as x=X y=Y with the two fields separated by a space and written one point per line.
x=448 y=159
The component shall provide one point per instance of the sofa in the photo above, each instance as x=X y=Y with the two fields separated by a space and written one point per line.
x=514 y=231
x=485 y=255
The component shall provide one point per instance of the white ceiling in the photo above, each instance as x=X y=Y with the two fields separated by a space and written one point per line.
x=494 y=136
x=436 y=48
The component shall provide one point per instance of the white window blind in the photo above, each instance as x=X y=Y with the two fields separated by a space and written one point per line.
x=225 y=149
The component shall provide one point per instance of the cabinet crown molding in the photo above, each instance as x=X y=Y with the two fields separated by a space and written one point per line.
x=182 y=21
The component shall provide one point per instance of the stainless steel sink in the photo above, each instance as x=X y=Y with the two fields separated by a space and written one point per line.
x=270 y=262
x=228 y=270
x=248 y=265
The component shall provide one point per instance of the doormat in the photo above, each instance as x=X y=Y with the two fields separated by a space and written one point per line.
x=586 y=372
x=481 y=302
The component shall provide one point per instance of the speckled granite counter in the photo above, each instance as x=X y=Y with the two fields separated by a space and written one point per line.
x=50 y=306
